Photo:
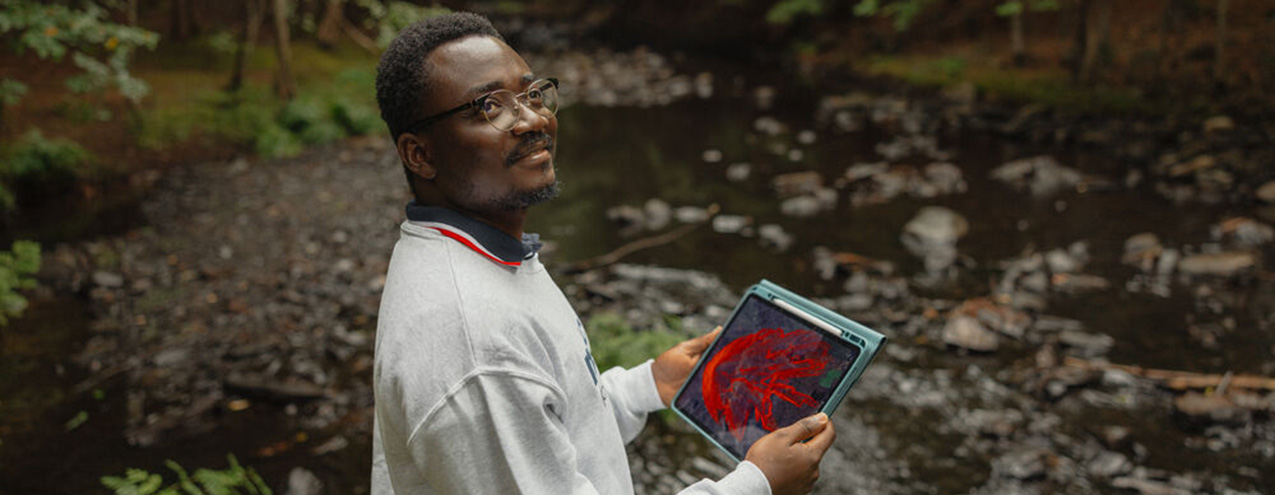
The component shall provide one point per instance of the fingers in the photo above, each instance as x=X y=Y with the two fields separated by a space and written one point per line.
x=809 y=426
x=823 y=439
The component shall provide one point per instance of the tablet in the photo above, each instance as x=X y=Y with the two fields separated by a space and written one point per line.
x=779 y=358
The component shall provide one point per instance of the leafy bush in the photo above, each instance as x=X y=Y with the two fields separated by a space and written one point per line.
x=16 y=267
x=275 y=141
x=615 y=342
x=235 y=480
x=356 y=119
x=34 y=159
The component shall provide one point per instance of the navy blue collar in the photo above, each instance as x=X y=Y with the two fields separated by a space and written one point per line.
x=483 y=238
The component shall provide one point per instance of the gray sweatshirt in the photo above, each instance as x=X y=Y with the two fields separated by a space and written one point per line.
x=484 y=380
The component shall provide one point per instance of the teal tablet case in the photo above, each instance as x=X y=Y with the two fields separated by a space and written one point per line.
x=870 y=342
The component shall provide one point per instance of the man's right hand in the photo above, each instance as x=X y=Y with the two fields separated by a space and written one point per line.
x=790 y=463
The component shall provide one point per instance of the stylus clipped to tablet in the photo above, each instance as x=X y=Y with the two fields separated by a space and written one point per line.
x=779 y=358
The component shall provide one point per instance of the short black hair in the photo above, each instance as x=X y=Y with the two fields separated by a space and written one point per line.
x=402 y=77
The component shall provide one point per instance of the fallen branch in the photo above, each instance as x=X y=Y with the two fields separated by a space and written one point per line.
x=1181 y=380
x=638 y=245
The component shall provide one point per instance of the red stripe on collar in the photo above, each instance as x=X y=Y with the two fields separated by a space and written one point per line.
x=470 y=244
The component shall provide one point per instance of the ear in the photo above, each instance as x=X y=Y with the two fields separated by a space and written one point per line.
x=417 y=153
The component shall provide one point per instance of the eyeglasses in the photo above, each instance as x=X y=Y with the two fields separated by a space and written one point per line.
x=503 y=108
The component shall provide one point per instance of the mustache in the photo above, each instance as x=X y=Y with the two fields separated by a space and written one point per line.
x=529 y=142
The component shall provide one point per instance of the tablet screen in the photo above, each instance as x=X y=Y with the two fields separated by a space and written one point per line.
x=767 y=370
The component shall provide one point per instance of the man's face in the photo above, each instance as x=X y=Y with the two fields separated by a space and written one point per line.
x=479 y=168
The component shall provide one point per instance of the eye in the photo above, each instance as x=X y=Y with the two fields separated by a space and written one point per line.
x=534 y=94
x=490 y=106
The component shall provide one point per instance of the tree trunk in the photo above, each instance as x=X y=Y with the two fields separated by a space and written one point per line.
x=254 y=13
x=1082 y=40
x=1018 y=48
x=329 y=30
x=1219 y=60
x=1098 y=48
x=286 y=84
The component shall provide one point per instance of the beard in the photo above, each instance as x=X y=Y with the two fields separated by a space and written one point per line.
x=518 y=200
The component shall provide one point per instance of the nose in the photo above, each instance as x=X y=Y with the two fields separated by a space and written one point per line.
x=529 y=119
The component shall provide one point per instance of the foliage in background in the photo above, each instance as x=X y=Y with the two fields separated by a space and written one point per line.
x=1019 y=6
x=615 y=342
x=34 y=159
x=234 y=480
x=16 y=267
x=341 y=106
x=386 y=19
x=98 y=46
x=902 y=11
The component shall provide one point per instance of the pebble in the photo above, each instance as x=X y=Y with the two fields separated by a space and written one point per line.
x=1218 y=264
x=800 y=206
x=967 y=333
x=773 y=236
x=730 y=224
x=108 y=280
x=712 y=156
x=1266 y=192
x=738 y=172
x=658 y=213
x=303 y=482
x=1042 y=175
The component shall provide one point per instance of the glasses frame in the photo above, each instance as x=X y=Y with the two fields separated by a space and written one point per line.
x=477 y=102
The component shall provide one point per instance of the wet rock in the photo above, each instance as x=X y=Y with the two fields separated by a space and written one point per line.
x=690 y=214
x=1061 y=261
x=730 y=224
x=1108 y=464
x=806 y=137
x=861 y=171
x=1114 y=437
x=303 y=482
x=795 y=155
x=1219 y=124
x=1087 y=344
x=1141 y=251
x=800 y=206
x=967 y=333
x=108 y=279
x=1266 y=192
x=965 y=93
x=1042 y=175
x=658 y=213
x=932 y=235
x=1245 y=232
x=738 y=172
x=773 y=236
x=1195 y=165
x=712 y=156
x=1217 y=264
x=1147 y=486
x=1026 y=463
x=945 y=178
x=769 y=126
x=764 y=97
x=797 y=183
x=1213 y=408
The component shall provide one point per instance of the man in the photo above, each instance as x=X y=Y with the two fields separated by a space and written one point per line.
x=484 y=382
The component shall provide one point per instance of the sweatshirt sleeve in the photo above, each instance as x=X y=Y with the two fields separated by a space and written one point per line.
x=633 y=396
x=499 y=433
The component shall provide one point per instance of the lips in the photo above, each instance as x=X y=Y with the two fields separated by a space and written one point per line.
x=530 y=147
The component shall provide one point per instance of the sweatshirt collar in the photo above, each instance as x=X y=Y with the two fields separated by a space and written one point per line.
x=478 y=236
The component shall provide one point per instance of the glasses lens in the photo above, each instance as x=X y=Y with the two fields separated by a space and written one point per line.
x=543 y=97
x=501 y=110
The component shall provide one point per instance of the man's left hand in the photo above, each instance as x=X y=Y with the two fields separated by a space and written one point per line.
x=673 y=366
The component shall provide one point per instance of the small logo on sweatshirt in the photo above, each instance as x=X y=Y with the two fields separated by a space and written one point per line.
x=588 y=353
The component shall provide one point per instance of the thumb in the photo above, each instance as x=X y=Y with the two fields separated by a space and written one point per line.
x=697 y=345
x=805 y=428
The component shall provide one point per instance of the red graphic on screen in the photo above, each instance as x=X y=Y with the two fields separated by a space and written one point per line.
x=745 y=378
